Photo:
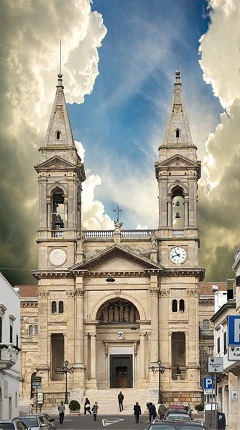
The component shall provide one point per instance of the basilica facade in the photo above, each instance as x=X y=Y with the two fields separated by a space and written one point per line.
x=121 y=306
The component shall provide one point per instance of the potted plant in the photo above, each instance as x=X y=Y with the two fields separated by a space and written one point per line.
x=74 y=406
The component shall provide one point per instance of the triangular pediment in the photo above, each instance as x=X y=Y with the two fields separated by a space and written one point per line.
x=55 y=163
x=117 y=258
x=178 y=160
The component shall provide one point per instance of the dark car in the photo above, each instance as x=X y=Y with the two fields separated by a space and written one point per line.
x=175 y=411
x=13 y=425
x=176 y=425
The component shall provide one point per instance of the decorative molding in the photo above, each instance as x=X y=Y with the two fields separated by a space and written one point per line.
x=164 y=293
x=43 y=294
x=79 y=292
x=192 y=293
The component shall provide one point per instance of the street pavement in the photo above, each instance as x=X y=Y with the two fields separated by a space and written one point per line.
x=104 y=422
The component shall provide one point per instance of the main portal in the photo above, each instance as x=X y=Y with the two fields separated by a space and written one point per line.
x=121 y=371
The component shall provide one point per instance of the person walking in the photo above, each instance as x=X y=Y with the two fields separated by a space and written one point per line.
x=61 y=410
x=120 y=401
x=95 y=411
x=137 y=411
x=152 y=411
x=87 y=407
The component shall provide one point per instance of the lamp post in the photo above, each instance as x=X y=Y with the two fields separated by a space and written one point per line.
x=65 y=370
x=158 y=367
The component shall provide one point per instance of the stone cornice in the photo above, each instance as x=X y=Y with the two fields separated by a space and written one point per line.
x=50 y=274
x=182 y=271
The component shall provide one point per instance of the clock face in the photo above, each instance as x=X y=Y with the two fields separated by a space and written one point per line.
x=178 y=255
x=57 y=257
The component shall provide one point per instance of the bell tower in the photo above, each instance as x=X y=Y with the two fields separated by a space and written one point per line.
x=177 y=173
x=60 y=176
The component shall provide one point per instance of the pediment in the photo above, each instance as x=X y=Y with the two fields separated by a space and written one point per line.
x=54 y=163
x=117 y=258
x=179 y=161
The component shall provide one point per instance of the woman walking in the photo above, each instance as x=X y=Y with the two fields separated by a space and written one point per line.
x=95 y=411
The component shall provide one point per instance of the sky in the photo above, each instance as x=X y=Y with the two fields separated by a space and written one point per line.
x=119 y=59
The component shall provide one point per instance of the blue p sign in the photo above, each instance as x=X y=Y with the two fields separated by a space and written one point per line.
x=207 y=383
x=234 y=330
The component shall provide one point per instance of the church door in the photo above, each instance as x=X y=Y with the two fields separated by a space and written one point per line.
x=121 y=371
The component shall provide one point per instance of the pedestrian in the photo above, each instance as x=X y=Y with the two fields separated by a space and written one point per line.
x=152 y=411
x=161 y=411
x=120 y=401
x=95 y=411
x=137 y=411
x=61 y=410
x=87 y=407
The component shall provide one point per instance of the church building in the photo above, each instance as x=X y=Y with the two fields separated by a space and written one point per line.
x=120 y=306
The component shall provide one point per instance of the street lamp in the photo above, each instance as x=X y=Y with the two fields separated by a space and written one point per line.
x=158 y=367
x=65 y=370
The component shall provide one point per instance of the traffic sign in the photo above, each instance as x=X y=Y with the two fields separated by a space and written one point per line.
x=208 y=385
x=215 y=364
x=234 y=353
x=37 y=382
x=234 y=330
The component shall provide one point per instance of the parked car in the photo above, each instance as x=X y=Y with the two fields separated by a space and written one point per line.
x=176 y=425
x=178 y=417
x=13 y=425
x=175 y=411
x=33 y=422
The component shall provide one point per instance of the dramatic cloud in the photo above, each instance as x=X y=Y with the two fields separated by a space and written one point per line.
x=220 y=198
x=29 y=67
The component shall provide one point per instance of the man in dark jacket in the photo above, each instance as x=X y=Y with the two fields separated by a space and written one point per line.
x=120 y=401
x=137 y=411
x=152 y=411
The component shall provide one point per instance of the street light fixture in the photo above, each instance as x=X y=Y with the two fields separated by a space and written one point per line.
x=65 y=370
x=158 y=367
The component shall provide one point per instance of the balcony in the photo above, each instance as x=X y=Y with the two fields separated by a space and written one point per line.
x=8 y=355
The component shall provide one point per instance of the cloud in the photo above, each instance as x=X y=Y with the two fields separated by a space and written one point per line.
x=219 y=200
x=30 y=32
x=220 y=50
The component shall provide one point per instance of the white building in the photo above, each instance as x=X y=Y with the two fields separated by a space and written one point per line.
x=9 y=350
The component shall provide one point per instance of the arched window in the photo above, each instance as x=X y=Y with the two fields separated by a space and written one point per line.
x=30 y=330
x=58 y=135
x=178 y=208
x=36 y=329
x=174 y=305
x=60 y=307
x=177 y=133
x=57 y=209
x=181 y=305
x=54 y=307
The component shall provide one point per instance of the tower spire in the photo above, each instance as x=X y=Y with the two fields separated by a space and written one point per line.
x=177 y=130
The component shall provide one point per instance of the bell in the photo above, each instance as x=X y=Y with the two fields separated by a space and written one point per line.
x=177 y=215
x=59 y=221
x=177 y=204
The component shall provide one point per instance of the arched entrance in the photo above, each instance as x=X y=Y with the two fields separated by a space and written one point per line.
x=118 y=320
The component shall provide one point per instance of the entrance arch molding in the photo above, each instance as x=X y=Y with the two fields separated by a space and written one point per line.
x=113 y=296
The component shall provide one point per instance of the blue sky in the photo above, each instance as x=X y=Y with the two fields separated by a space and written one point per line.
x=119 y=59
x=131 y=97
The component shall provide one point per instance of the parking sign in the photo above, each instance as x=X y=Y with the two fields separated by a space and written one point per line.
x=234 y=330
x=208 y=385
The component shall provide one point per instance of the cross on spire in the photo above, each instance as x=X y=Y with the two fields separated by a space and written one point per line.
x=117 y=210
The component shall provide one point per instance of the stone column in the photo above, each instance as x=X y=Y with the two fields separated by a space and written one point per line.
x=169 y=211
x=93 y=356
x=79 y=345
x=186 y=213
x=142 y=356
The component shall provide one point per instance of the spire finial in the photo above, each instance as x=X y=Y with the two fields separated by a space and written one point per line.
x=60 y=65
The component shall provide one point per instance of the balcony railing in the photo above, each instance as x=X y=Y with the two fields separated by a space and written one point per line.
x=8 y=355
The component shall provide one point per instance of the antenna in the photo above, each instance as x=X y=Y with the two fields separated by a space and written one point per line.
x=177 y=56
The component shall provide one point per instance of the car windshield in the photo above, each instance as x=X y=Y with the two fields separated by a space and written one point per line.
x=176 y=426
x=31 y=421
x=7 y=426
x=178 y=417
